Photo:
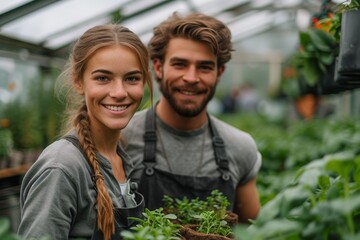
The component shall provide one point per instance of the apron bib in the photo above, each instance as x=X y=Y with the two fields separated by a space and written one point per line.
x=154 y=183
x=122 y=221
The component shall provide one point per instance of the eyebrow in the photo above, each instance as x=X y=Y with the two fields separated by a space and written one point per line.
x=109 y=72
x=134 y=72
x=207 y=62
x=101 y=71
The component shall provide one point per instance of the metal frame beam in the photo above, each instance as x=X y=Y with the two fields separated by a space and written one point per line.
x=23 y=10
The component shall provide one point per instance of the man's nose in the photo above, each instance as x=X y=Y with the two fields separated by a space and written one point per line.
x=191 y=75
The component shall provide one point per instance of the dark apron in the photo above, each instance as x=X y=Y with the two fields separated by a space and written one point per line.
x=121 y=215
x=154 y=183
x=122 y=221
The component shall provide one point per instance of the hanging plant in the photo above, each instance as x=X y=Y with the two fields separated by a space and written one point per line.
x=318 y=50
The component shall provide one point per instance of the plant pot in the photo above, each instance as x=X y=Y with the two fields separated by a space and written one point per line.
x=328 y=84
x=231 y=218
x=348 y=81
x=349 y=55
x=189 y=232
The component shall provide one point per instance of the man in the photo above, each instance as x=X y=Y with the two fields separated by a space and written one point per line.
x=177 y=147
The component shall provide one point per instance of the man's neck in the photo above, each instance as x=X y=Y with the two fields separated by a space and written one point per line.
x=168 y=115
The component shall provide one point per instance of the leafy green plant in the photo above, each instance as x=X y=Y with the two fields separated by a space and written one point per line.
x=6 y=234
x=186 y=209
x=6 y=142
x=211 y=222
x=318 y=51
x=322 y=202
x=154 y=225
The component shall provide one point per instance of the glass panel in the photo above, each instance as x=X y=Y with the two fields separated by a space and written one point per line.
x=146 y=21
x=7 y=5
x=58 y=17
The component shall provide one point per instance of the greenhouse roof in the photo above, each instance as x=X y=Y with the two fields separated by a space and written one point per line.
x=48 y=27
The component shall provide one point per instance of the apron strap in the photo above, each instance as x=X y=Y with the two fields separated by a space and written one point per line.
x=150 y=142
x=150 y=139
x=221 y=157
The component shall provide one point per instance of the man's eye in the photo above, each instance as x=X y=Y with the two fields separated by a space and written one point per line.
x=206 y=68
x=179 y=64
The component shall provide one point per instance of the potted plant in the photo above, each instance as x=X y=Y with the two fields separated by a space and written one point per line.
x=211 y=226
x=325 y=69
x=203 y=219
x=155 y=225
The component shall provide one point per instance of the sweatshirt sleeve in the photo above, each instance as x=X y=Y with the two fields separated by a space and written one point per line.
x=48 y=202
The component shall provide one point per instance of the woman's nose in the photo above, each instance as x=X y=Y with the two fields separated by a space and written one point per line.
x=117 y=89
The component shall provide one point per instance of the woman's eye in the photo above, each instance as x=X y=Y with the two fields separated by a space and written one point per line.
x=102 y=78
x=133 y=79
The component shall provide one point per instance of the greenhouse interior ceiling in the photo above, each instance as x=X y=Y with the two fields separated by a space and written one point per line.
x=44 y=29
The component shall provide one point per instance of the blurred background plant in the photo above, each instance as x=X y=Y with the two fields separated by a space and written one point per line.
x=319 y=44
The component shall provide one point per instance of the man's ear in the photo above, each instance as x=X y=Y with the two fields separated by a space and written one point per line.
x=221 y=70
x=158 y=68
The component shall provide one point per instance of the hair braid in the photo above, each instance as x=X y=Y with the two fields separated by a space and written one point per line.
x=105 y=213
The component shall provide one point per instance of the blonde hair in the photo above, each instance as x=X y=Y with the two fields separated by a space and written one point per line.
x=76 y=110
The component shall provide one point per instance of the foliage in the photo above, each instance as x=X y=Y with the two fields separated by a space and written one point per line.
x=314 y=60
x=210 y=222
x=6 y=142
x=4 y=230
x=286 y=146
x=5 y=233
x=188 y=211
x=348 y=5
x=208 y=214
x=322 y=202
x=155 y=225
x=35 y=121
x=318 y=50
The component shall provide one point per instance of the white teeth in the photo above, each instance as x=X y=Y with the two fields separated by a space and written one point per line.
x=116 y=108
x=188 y=93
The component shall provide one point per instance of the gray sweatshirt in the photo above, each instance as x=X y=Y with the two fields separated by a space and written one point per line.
x=57 y=194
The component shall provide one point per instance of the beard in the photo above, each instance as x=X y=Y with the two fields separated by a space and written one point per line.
x=181 y=107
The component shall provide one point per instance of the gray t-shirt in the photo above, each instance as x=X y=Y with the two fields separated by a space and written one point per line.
x=57 y=193
x=184 y=153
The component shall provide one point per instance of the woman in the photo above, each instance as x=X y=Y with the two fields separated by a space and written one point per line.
x=78 y=188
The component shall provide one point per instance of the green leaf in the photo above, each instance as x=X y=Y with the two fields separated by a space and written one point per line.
x=340 y=206
x=304 y=38
x=4 y=226
x=170 y=216
x=280 y=227
x=311 y=72
x=342 y=166
x=327 y=58
x=322 y=40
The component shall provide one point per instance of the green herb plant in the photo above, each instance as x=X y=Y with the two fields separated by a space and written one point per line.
x=155 y=225
x=186 y=209
x=211 y=222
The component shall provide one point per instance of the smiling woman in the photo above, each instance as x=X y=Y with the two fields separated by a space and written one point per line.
x=105 y=80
